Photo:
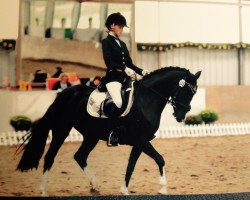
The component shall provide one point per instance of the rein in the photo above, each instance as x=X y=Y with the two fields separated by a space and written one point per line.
x=171 y=100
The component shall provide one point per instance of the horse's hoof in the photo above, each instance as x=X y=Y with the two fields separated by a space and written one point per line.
x=44 y=194
x=94 y=191
x=124 y=191
x=163 y=191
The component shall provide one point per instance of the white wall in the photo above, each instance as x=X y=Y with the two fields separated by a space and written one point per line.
x=9 y=18
x=173 y=21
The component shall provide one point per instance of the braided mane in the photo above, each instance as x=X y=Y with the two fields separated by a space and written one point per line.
x=163 y=69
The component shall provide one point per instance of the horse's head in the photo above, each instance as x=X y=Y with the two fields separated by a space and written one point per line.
x=181 y=98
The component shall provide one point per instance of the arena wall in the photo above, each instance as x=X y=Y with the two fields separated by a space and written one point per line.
x=49 y=66
x=231 y=102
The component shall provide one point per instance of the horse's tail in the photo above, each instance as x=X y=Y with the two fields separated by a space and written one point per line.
x=37 y=137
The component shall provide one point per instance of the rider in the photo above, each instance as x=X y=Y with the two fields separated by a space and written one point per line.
x=119 y=64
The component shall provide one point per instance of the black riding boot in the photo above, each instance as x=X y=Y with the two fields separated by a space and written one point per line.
x=113 y=137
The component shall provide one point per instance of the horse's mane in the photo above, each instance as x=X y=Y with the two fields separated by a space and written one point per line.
x=163 y=69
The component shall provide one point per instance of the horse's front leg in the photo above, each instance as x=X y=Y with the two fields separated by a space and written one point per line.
x=134 y=155
x=151 y=152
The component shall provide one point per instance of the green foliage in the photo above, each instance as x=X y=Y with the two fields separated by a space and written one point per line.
x=193 y=119
x=209 y=116
x=20 y=123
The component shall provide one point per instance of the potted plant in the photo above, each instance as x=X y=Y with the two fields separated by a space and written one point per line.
x=192 y=120
x=209 y=116
x=21 y=123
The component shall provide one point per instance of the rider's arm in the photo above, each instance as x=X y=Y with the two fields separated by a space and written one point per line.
x=130 y=63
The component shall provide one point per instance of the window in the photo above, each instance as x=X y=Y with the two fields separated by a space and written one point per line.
x=62 y=14
x=90 y=15
x=37 y=13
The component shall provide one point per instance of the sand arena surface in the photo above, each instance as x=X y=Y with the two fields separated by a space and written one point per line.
x=194 y=166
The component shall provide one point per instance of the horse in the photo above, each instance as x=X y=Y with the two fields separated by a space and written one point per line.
x=173 y=85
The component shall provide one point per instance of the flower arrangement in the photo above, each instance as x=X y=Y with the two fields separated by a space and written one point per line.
x=169 y=46
x=193 y=119
x=209 y=116
x=21 y=123
x=206 y=116
x=7 y=44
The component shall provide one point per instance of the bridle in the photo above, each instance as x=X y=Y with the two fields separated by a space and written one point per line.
x=172 y=100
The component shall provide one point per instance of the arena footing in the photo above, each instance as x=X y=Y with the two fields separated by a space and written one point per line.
x=228 y=196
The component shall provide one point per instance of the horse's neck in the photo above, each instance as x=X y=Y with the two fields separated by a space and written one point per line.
x=153 y=94
x=150 y=104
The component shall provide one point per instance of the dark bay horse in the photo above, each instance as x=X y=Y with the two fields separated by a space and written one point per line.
x=167 y=85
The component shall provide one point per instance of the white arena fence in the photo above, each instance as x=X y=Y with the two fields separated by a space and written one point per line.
x=204 y=130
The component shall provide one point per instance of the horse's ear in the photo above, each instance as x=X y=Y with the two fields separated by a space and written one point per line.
x=197 y=75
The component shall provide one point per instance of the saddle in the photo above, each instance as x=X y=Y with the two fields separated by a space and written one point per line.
x=101 y=105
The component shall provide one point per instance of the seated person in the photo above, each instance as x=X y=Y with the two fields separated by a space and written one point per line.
x=62 y=83
x=94 y=82
x=39 y=79
x=74 y=79
x=58 y=72
x=84 y=81
x=39 y=76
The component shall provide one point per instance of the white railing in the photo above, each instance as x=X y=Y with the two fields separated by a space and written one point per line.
x=15 y=138
x=204 y=130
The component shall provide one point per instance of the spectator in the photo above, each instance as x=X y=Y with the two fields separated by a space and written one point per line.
x=39 y=76
x=84 y=81
x=74 y=79
x=58 y=72
x=63 y=83
x=94 y=82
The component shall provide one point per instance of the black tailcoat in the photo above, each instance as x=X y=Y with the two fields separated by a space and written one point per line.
x=117 y=58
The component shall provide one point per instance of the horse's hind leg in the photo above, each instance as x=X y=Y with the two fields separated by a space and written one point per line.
x=57 y=140
x=81 y=158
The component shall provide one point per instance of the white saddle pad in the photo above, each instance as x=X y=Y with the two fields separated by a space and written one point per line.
x=97 y=97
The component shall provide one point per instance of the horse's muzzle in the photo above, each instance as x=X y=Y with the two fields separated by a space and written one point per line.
x=179 y=118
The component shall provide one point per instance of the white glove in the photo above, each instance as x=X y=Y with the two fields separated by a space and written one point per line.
x=145 y=72
x=129 y=72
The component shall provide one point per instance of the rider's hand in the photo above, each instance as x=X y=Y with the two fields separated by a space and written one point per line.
x=145 y=72
x=129 y=72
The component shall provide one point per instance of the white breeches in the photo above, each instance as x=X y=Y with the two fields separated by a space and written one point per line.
x=114 y=89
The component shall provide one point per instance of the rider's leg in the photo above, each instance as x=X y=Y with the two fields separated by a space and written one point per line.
x=114 y=89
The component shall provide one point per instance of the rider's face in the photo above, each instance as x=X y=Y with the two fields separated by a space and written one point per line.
x=117 y=29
